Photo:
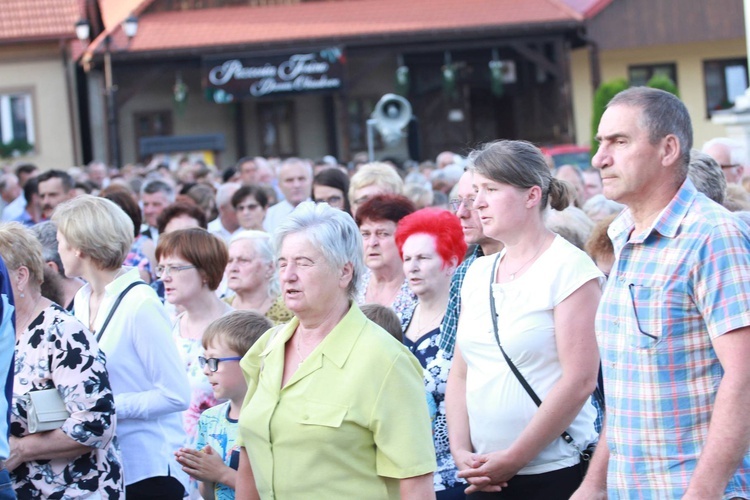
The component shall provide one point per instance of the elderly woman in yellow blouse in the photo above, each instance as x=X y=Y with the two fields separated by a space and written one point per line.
x=335 y=406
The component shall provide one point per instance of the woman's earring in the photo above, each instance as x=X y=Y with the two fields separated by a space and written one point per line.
x=20 y=292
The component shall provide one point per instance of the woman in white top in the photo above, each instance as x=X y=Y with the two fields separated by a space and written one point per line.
x=545 y=293
x=145 y=372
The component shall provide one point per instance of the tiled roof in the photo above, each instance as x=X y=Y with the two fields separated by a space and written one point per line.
x=333 y=20
x=115 y=11
x=589 y=8
x=30 y=20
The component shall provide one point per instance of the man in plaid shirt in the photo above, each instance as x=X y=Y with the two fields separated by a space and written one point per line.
x=673 y=323
x=479 y=245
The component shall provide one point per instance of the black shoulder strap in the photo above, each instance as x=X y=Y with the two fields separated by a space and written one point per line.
x=566 y=437
x=114 y=307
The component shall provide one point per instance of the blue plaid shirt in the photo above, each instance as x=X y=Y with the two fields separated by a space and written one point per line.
x=449 y=325
x=674 y=287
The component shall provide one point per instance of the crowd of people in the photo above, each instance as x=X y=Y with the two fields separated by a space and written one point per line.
x=488 y=327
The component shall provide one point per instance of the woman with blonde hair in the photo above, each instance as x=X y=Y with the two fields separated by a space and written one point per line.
x=527 y=317
x=55 y=352
x=373 y=179
x=133 y=330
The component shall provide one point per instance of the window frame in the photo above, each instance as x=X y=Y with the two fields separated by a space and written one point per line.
x=6 y=121
x=651 y=69
x=724 y=64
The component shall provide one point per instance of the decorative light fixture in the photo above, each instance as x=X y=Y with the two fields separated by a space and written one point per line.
x=130 y=26
x=83 y=30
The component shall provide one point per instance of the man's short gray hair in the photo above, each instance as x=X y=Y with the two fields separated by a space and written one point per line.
x=737 y=150
x=332 y=232
x=224 y=193
x=707 y=176
x=159 y=186
x=662 y=114
x=46 y=233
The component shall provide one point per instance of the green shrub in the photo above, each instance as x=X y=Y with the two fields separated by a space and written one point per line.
x=663 y=82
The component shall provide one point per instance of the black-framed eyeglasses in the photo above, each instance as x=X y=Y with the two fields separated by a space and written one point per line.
x=631 y=287
x=213 y=363
x=468 y=202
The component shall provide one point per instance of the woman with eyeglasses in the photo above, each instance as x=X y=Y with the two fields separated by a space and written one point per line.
x=133 y=331
x=191 y=265
x=385 y=282
x=252 y=275
x=332 y=186
x=250 y=203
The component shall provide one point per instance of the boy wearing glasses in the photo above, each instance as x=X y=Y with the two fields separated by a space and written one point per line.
x=214 y=462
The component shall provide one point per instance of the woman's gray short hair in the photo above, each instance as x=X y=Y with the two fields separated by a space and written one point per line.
x=264 y=250
x=332 y=232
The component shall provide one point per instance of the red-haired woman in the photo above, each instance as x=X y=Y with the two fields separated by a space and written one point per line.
x=384 y=282
x=431 y=244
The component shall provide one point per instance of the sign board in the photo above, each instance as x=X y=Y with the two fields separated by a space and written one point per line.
x=230 y=79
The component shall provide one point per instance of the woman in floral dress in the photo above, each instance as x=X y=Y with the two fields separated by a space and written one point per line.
x=54 y=350
x=191 y=265
x=431 y=244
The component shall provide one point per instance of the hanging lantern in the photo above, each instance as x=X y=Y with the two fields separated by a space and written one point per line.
x=449 y=76
x=402 y=76
x=496 y=75
x=180 y=91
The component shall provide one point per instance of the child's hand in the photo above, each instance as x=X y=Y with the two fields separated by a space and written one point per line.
x=204 y=465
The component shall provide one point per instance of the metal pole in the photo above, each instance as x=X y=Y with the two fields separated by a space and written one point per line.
x=110 y=89
x=371 y=139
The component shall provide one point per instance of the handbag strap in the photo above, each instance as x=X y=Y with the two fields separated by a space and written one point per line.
x=114 y=307
x=566 y=437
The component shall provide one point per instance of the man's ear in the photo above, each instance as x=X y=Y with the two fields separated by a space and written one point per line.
x=670 y=150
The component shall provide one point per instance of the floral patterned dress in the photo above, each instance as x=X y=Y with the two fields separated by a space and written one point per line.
x=403 y=304
x=202 y=395
x=436 y=367
x=58 y=351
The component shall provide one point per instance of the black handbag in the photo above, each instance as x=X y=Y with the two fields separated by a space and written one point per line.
x=588 y=451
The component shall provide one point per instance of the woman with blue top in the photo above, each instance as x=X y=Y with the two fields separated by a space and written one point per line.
x=431 y=244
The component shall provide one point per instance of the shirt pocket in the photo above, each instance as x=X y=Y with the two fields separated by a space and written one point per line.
x=648 y=311
x=322 y=414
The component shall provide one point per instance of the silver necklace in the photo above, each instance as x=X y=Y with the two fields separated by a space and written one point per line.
x=513 y=274
x=299 y=352
x=419 y=320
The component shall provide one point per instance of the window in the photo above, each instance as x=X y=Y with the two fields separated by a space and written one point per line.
x=359 y=111
x=151 y=124
x=725 y=79
x=276 y=128
x=16 y=123
x=639 y=75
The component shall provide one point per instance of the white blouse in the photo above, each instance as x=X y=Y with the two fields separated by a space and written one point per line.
x=147 y=377
x=498 y=406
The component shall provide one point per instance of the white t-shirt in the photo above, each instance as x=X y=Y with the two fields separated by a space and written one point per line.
x=498 y=406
